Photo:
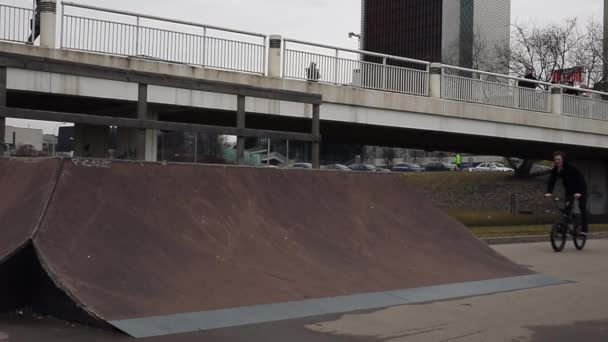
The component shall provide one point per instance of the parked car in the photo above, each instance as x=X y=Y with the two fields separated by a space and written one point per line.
x=302 y=166
x=336 y=167
x=407 y=167
x=362 y=167
x=540 y=168
x=381 y=169
x=491 y=167
x=433 y=167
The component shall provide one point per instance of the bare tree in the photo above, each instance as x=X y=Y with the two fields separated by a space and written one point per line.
x=388 y=154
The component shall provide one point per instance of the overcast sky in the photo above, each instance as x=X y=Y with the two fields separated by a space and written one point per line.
x=323 y=21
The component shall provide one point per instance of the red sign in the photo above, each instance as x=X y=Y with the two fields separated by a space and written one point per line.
x=568 y=76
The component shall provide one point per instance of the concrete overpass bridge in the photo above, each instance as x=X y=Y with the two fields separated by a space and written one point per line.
x=144 y=73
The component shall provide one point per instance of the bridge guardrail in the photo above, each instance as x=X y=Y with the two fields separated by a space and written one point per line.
x=476 y=86
x=16 y=23
x=340 y=66
x=146 y=36
x=584 y=103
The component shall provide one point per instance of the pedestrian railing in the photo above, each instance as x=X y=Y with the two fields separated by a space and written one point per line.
x=109 y=31
x=145 y=36
x=329 y=64
x=493 y=89
x=16 y=23
x=585 y=103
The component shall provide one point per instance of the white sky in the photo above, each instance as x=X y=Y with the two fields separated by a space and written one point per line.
x=323 y=21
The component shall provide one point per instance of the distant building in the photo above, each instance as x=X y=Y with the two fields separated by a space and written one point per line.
x=448 y=31
x=15 y=137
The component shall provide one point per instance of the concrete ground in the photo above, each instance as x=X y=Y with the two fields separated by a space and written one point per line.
x=574 y=312
x=578 y=311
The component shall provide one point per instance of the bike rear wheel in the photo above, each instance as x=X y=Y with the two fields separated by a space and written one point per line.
x=558 y=237
x=578 y=239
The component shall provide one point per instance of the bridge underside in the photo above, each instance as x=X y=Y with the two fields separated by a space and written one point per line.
x=332 y=131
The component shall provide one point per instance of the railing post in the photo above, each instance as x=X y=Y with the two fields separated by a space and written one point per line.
x=336 y=67
x=61 y=23
x=384 y=80
x=435 y=74
x=48 y=23
x=137 y=34
x=517 y=95
x=204 y=46
x=556 y=100
x=274 y=56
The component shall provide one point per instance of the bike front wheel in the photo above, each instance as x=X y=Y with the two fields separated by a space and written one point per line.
x=558 y=237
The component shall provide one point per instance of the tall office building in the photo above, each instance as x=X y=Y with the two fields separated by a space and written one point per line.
x=459 y=32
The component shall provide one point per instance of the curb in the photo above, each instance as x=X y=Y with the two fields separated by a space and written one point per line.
x=532 y=239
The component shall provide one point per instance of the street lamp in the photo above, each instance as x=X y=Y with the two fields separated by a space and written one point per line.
x=352 y=34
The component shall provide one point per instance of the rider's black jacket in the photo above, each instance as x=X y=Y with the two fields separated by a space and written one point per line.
x=572 y=178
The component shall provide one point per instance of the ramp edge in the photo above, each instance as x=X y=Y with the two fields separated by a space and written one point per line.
x=225 y=318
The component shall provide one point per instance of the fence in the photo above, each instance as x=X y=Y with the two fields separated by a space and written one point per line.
x=328 y=64
x=133 y=34
x=16 y=23
x=585 y=104
x=493 y=89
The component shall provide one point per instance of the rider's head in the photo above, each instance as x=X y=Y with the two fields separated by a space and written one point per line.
x=558 y=158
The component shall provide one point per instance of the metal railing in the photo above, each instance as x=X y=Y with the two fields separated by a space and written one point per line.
x=476 y=86
x=16 y=23
x=585 y=103
x=163 y=39
x=329 y=64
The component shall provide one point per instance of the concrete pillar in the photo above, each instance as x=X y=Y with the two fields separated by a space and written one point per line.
x=240 y=123
x=556 y=100
x=48 y=23
x=91 y=141
x=435 y=80
x=151 y=148
x=274 y=55
x=316 y=129
x=596 y=175
x=2 y=104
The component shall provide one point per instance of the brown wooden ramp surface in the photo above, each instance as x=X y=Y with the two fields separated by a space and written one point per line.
x=24 y=192
x=134 y=240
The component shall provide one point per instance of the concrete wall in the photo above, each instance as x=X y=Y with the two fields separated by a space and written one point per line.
x=24 y=136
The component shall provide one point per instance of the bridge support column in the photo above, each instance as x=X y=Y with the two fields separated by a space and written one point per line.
x=316 y=129
x=596 y=175
x=556 y=100
x=2 y=104
x=274 y=55
x=240 y=124
x=147 y=139
x=435 y=80
x=48 y=23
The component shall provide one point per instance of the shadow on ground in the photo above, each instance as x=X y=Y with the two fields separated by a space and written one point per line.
x=594 y=331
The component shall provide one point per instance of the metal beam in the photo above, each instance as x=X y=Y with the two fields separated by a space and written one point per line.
x=22 y=113
x=34 y=63
x=316 y=131
x=240 y=124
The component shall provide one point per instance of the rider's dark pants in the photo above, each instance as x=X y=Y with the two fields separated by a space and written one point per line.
x=582 y=206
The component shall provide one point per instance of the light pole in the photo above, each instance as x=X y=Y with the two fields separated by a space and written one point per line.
x=352 y=34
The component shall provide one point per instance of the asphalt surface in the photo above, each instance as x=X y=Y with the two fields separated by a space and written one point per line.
x=573 y=312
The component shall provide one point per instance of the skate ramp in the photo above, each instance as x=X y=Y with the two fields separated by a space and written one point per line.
x=159 y=249
x=24 y=187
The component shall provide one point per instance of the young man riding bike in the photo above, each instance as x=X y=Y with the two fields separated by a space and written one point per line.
x=574 y=185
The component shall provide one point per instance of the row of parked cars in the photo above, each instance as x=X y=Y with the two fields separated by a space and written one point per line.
x=410 y=167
